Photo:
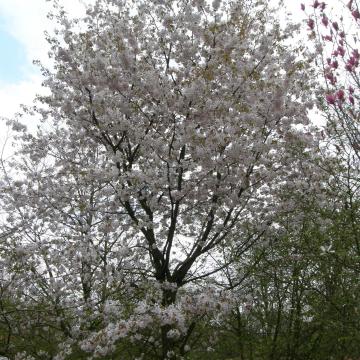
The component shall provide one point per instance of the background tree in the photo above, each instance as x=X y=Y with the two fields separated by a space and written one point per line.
x=304 y=290
x=336 y=40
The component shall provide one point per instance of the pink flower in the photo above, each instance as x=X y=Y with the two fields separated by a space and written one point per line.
x=335 y=53
x=348 y=67
x=353 y=61
x=335 y=64
x=340 y=95
x=351 y=100
x=335 y=26
x=302 y=7
x=341 y=50
x=355 y=14
x=330 y=76
x=311 y=24
x=356 y=54
x=342 y=34
x=322 y=6
x=327 y=37
x=316 y=4
x=331 y=99
x=325 y=21
x=351 y=90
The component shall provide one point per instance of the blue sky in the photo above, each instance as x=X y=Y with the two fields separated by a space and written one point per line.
x=22 y=26
x=13 y=61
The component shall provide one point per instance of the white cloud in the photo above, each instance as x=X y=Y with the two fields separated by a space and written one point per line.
x=26 y=21
x=12 y=95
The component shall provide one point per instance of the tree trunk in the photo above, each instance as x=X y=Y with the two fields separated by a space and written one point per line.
x=169 y=345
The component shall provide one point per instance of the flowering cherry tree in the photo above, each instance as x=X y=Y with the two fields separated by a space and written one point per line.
x=170 y=129
x=336 y=39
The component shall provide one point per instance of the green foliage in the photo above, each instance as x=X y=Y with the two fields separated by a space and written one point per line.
x=306 y=295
